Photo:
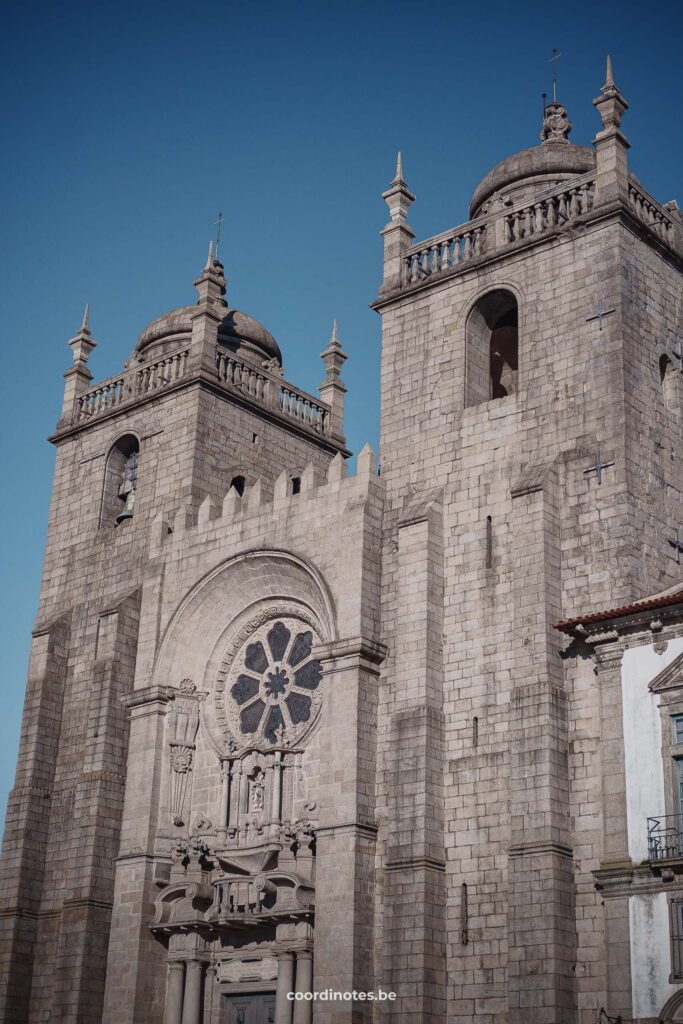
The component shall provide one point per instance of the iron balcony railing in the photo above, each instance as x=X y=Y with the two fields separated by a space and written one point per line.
x=665 y=837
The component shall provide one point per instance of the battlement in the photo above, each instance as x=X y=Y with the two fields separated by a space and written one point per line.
x=214 y=515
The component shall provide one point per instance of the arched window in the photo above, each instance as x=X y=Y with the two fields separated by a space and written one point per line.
x=491 y=348
x=120 y=481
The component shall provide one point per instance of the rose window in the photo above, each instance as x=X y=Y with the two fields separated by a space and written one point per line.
x=273 y=684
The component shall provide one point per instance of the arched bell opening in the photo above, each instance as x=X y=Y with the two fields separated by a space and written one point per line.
x=120 y=481
x=492 y=348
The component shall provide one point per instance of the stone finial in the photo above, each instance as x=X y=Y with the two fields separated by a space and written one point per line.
x=333 y=356
x=398 y=197
x=556 y=124
x=332 y=390
x=82 y=344
x=211 y=284
x=610 y=104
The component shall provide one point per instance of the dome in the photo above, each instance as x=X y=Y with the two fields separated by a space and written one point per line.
x=237 y=332
x=524 y=174
x=532 y=170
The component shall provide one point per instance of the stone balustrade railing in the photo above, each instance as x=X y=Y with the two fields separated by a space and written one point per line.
x=260 y=385
x=271 y=391
x=444 y=252
x=651 y=213
x=550 y=210
x=234 y=897
x=129 y=385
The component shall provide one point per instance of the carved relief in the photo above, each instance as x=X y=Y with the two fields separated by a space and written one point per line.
x=183 y=724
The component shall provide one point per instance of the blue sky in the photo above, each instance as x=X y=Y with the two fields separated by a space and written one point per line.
x=128 y=126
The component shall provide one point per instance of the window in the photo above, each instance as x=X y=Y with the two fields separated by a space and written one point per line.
x=491 y=339
x=677 y=723
x=296 y=485
x=120 y=482
x=238 y=484
x=677 y=938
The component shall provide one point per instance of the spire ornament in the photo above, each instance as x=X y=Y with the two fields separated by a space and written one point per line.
x=82 y=344
x=398 y=196
x=610 y=104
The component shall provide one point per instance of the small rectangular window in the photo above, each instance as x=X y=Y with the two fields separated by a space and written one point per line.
x=677 y=938
x=677 y=722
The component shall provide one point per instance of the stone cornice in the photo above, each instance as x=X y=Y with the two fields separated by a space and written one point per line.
x=367 y=653
x=149 y=695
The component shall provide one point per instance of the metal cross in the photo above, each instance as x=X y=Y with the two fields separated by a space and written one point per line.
x=598 y=467
x=602 y=312
x=553 y=60
x=677 y=545
x=218 y=233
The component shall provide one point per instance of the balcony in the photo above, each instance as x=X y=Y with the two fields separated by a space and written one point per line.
x=665 y=837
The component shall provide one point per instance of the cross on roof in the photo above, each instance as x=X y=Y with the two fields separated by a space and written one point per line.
x=602 y=312
x=218 y=232
x=598 y=467
x=553 y=60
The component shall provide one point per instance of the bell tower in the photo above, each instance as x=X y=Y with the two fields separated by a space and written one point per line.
x=200 y=419
x=530 y=455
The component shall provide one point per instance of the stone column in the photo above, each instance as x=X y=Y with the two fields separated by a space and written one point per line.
x=174 y=992
x=303 y=1008
x=192 y=999
x=225 y=793
x=285 y=984
x=209 y=992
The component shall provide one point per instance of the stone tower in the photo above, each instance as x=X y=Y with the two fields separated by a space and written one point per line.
x=531 y=416
x=291 y=732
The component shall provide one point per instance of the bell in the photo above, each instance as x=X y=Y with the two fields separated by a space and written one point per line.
x=127 y=510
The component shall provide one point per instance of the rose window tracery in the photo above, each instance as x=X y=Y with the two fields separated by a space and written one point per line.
x=273 y=683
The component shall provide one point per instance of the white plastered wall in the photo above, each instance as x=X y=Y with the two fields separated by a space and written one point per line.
x=648 y=914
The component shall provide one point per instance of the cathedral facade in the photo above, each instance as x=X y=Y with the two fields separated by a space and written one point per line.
x=292 y=733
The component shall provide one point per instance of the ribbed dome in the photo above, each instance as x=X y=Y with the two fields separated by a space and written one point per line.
x=523 y=174
x=237 y=331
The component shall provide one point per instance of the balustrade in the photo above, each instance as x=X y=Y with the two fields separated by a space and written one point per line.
x=444 y=252
x=650 y=212
x=549 y=211
x=139 y=381
x=269 y=390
